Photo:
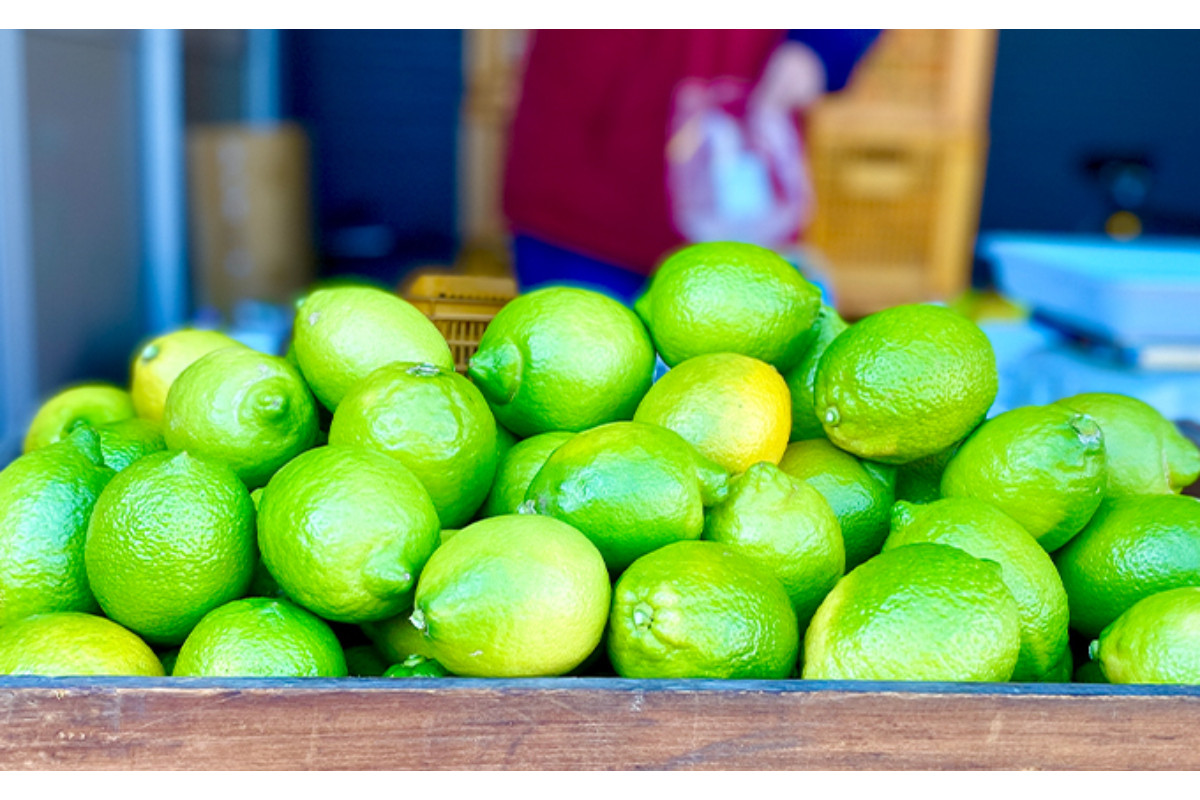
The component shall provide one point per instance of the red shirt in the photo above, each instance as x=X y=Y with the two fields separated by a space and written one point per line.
x=586 y=165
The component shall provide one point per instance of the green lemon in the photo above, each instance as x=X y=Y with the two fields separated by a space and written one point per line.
x=905 y=383
x=243 y=408
x=1134 y=547
x=365 y=661
x=124 y=442
x=920 y=481
x=1156 y=640
x=563 y=359
x=922 y=612
x=170 y=539
x=159 y=362
x=433 y=421
x=505 y=440
x=72 y=643
x=1089 y=672
x=516 y=470
x=344 y=333
x=167 y=658
x=802 y=379
x=345 y=532
x=859 y=492
x=513 y=596
x=416 y=667
x=1041 y=465
x=629 y=487
x=93 y=403
x=986 y=532
x=787 y=527
x=729 y=297
x=701 y=610
x=734 y=409
x=261 y=637
x=46 y=500
x=397 y=638
x=1144 y=452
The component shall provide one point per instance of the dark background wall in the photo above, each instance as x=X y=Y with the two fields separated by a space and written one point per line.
x=1065 y=97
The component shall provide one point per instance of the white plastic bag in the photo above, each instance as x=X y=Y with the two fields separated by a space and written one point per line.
x=735 y=174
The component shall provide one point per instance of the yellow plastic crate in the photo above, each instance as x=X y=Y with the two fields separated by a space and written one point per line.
x=461 y=306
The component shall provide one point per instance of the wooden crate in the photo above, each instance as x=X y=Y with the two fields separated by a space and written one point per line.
x=590 y=724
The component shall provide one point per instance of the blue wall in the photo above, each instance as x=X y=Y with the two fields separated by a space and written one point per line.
x=382 y=110
x=1064 y=96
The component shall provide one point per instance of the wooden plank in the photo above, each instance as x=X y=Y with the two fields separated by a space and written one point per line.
x=590 y=724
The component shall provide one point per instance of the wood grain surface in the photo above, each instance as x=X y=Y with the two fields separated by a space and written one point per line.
x=590 y=724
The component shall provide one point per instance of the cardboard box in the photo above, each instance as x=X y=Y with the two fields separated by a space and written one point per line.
x=250 y=213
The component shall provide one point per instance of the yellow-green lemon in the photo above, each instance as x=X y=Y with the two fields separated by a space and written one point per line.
x=729 y=297
x=629 y=487
x=986 y=532
x=435 y=422
x=158 y=363
x=786 y=526
x=69 y=643
x=563 y=359
x=345 y=532
x=261 y=637
x=905 y=383
x=93 y=403
x=701 y=610
x=1134 y=547
x=124 y=442
x=344 y=333
x=922 y=612
x=46 y=500
x=516 y=470
x=1156 y=640
x=859 y=492
x=513 y=596
x=171 y=538
x=734 y=409
x=802 y=378
x=1041 y=465
x=243 y=408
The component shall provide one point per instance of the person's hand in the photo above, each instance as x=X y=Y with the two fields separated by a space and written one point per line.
x=793 y=79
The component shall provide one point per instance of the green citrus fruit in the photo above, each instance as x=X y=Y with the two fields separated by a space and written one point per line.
x=920 y=481
x=159 y=362
x=345 y=532
x=93 y=403
x=859 y=492
x=1089 y=672
x=416 y=666
x=73 y=643
x=1156 y=640
x=261 y=637
x=124 y=442
x=344 y=333
x=787 y=527
x=46 y=500
x=1144 y=452
x=243 y=408
x=563 y=359
x=629 y=487
x=983 y=531
x=516 y=470
x=701 y=610
x=729 y=297
x=922 y=612
x=170 y=539
x=435 y=422
x=1041 y=465
x=505 y=441
x=513 y=596
x=365 y=661
x=905 y=383
x=1134 y=547
x=734 y=409
x=802 y=378
x=397 y=638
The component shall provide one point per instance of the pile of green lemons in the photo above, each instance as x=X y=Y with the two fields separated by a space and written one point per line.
x=795 y=497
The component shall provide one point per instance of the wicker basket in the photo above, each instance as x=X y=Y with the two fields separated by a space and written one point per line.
x=461 y=306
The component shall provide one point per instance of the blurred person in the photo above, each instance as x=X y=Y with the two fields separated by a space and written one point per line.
x=589 y=181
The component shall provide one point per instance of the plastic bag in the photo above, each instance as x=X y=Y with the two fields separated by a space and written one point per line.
x=735 y=174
